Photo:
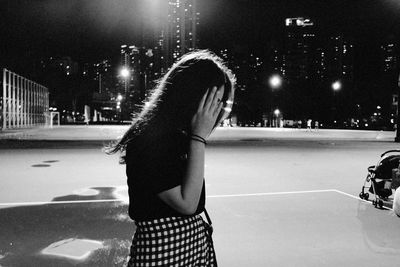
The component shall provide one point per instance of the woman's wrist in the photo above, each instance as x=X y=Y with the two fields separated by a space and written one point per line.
x=197 y=135
x=197 y=138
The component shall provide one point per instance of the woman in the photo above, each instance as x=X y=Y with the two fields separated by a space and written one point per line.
x=164 y=156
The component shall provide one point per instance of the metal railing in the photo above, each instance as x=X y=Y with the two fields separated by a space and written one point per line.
x=25 y=102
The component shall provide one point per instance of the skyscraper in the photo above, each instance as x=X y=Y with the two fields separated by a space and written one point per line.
x=130 y=61
x=103 y=74
x=299 y=47
x=389 y=57
x=129 y=56
x=310 y=56
x=180 y=33
x=340 y=58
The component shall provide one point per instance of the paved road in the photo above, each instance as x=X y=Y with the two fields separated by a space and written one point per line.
x=277 y=201
x=232 y=167
x=111 y=132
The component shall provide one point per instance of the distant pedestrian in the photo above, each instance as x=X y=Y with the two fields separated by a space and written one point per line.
x=164 y=156
x=299 y=124
x=309 y=121
x=316 y=124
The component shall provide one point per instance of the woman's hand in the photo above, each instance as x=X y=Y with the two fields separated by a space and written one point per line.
x=209 y=108
x=185 y=198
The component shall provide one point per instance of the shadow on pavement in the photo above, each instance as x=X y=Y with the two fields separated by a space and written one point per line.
x=77 y=234
x=380 y=233
x=94 y=193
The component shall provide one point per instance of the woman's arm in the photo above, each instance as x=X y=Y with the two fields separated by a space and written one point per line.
x=185 y=198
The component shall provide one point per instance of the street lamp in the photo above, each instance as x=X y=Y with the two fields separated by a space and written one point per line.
x=125 y=74
x=336 y=86
x=118 y=108
x=275 y=82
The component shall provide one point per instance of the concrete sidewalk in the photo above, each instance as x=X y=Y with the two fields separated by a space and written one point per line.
x=113 y=132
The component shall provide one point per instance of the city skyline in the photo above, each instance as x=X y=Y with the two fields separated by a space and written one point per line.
x=92 y=29
x=309 y=44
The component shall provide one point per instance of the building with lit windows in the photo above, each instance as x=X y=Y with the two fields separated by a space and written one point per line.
x=299 y=47
x=309 y=56
x=130 y=60
x=339 y=58
x=145 y=66
x=63 y=64
x=389 y=74
x=321 y=63
x=389 y=57
x=103 y=75
x=180 y=33
x=129 y=56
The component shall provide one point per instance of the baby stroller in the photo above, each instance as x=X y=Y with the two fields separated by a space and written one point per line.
x=382 y=178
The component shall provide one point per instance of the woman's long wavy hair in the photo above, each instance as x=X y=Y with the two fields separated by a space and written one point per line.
x=174 y=101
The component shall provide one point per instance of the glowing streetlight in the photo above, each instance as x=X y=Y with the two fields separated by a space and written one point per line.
x=119 y=97
x=336 y=86
x=275 y=81
x=124 y=72
x=277 y=112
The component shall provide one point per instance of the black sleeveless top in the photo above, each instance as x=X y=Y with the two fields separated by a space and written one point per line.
x=153 y=168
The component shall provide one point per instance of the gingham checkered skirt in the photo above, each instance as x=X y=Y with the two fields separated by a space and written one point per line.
x=172 y=241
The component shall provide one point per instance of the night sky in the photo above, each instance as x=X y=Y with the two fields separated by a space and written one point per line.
x=90 y=30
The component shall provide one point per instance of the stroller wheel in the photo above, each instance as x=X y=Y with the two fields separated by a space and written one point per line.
x=364 y=195
x=380 y=203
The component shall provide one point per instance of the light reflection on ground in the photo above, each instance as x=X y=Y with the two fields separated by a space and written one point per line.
x=121 y=192
x=86 y=192
x=42 y=235
x=75 y=249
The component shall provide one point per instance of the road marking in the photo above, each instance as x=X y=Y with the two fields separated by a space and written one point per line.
x=355 y=197
x=125 y=200
x=273 y=193
x=212 y=196
x=60 y=202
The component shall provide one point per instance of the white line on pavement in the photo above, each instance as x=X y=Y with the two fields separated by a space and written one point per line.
x=355 y=197
x=121 y=200
x=59 y=202
x=212 y=196
x=274 y=193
